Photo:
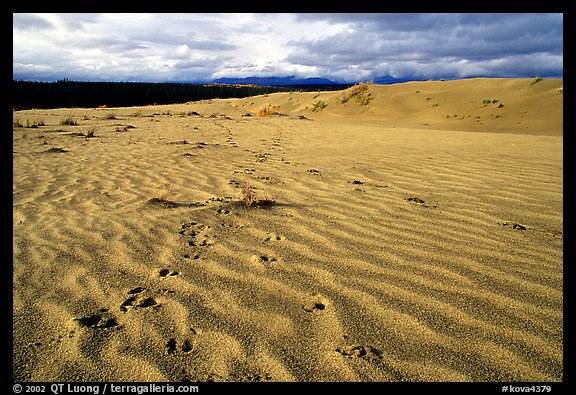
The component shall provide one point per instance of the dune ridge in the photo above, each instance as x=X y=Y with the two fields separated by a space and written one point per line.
x=403 y=244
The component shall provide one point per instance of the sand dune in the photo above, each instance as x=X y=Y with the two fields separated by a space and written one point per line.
x=408 y=241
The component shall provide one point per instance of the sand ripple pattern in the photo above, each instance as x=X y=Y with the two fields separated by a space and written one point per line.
x=390 y=255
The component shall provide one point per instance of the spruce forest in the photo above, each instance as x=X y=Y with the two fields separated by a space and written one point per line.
x=65 y=93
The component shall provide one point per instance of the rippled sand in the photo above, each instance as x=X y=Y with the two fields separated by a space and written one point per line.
x=407 y=241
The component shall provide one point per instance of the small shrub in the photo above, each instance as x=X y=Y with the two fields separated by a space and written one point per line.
x=248 y=195
x=250 y=200
x=264 y=112
x=160 y=194
x=489 y=101
x=34 y=124
x=111 y=116
x=535 y=81
x=16 y=123
x=68 y=121
x=90 y=133
x=319 y=105
x=360 y=93
x=365 y=99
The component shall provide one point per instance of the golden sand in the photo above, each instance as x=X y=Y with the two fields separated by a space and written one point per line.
x=415 y=238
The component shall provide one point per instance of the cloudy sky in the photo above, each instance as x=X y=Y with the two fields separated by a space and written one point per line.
x=345 y=47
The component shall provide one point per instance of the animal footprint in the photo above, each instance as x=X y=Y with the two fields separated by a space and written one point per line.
x=167 y=272
x=513 y=225
x=222 y=210
x=262 y=260
x=315 y=305
x=172 y=346
x=359 y=351
x=420 y=202
x=199 y=235
x=54 y=340
x=148 y=302
x=195 y=256
x=270 y=237
x=266 y=258
x=138 y=300
x=98 y=321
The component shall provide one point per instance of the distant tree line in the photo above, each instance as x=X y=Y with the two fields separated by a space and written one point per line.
x=66 y=93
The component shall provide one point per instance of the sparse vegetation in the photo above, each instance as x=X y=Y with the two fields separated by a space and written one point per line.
x=359 y=92
x=319 y=105
x=34 y=124
x=29 y=123
x=248 y=195
x=111 y=116
x=264 y=112
x=162 y=192
x=492 y=101
x=250 y=200
x=68 y=121
x=535 y=81
x=160 y=197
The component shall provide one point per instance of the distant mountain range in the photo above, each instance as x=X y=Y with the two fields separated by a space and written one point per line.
x=275 y=81
x=292 y=80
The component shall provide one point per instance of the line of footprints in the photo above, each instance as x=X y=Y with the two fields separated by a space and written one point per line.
x=200 y=235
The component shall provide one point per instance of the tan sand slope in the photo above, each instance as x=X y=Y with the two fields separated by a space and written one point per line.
x=400 y=247
x=521 y=106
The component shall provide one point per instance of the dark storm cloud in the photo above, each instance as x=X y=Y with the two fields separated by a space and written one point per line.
x=475 y=41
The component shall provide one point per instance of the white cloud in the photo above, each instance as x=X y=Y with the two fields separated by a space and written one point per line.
x=347 y=47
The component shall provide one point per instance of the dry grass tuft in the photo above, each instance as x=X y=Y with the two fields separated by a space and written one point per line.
x=160 y=197
x=90 y=133
x=248 y=195
x=264 y=112
x=359 y=93
x=162 y=192
x=250 y=200
x=69 y=121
